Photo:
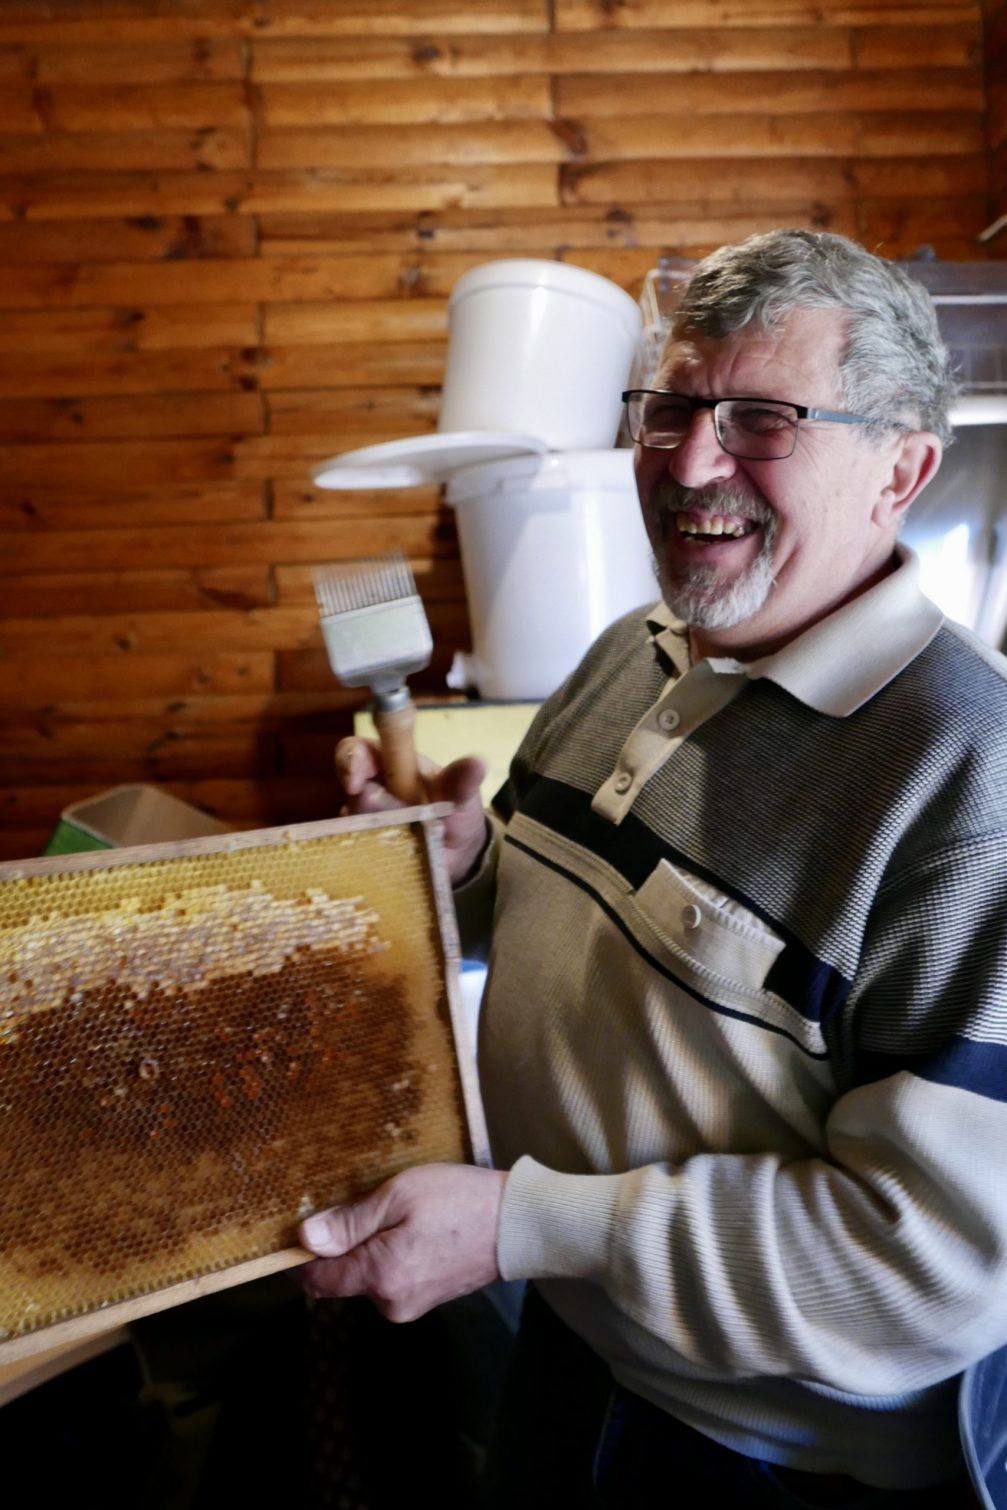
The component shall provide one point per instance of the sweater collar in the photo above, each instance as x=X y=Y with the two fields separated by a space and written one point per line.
x=841 y=662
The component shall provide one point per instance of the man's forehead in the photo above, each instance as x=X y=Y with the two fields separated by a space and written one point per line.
x=808 y=339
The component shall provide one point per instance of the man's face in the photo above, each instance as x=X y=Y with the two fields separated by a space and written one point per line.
x=750 y=553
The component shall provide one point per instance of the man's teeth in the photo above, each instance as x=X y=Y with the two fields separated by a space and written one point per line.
x=713 y=524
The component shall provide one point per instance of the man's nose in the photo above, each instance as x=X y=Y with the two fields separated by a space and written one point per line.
x=700 y=459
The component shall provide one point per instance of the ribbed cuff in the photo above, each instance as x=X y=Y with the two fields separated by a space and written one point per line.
x=555 y=1225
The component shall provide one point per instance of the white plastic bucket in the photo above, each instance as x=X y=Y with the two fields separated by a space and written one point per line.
x=539 y=348
x=553 y=550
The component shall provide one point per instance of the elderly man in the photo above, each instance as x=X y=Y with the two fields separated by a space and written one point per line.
x=743 y=1048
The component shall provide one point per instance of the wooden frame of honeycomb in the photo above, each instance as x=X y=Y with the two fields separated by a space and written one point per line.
x=201 y=1043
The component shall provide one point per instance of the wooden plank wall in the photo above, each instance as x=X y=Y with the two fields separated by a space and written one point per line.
x=995 y=40
x=228 y=229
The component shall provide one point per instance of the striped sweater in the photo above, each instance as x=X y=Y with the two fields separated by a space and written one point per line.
x=744 y=1041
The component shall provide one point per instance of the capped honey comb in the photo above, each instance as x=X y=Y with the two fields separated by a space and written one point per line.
x=201 y=1044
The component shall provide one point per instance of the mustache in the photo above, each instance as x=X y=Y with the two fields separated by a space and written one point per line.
x=669 y=497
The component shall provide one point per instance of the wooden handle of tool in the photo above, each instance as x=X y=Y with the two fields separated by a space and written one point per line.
x=398 y=751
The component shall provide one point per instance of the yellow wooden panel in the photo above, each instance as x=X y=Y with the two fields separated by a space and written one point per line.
x=155 y=20
x=758 y=182
x=53 y=373
x=114 y=239
x=500 y=142
x=154 y=150
x=99 y=63
x=600 y=15
x=310 y=324
x=309 y=412
x=161 y=414
x=47 y=508
x=958 y=45
x=353 y=364
x=54 y=593
x=43 y=681
x=667 y=51
x=415 y=102
x=816 y=91
x=294 y=500
x=216 y=545
x=128 y=329
x=119 y=464
x=66 y=197
x=141 y=107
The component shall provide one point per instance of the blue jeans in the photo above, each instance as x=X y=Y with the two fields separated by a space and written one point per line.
x=568 y=1436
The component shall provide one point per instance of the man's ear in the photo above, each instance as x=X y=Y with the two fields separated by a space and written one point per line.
x=917 y=457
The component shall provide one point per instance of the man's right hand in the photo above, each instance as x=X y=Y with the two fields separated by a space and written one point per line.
x=466 y=830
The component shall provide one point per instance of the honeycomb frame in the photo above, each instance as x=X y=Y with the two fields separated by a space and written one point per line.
x=201 y=1043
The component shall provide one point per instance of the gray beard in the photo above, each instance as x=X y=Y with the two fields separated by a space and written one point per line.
x=697 y=595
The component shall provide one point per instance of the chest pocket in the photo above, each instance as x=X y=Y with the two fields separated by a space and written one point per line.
x=697 y=924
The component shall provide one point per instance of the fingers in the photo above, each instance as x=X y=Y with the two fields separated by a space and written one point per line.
x=358 y=761
x=459 y=782
x=425 y=1236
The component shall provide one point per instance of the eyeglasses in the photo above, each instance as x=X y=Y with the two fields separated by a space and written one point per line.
x=753 y=429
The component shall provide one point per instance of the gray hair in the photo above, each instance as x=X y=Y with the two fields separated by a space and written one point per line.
x=895 y=366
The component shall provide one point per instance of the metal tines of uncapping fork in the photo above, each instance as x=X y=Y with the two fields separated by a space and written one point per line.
x=376 y=634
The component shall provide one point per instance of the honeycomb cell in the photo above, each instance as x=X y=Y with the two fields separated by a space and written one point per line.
x=197 y=1052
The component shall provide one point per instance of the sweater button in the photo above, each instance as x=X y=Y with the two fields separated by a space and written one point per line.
x=691 y=916
x=668 y=719
x=623 y=782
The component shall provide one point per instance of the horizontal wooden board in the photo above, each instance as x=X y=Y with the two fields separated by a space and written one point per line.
x=147 y=285
x=155 y=760
x=153 y=20
x=125 y=107
x=294 y=627
x=524 y=232
x=668 y=51
x=730 y=137
x=896 y=227
x=57 y=373
x=757 y=181
x=958 y=45
x=159 y=414
x=97 y=63
x=118 y=465
x=24 y=684
x=48 y=508
x=315 y=412
x=142 y=591
x=352 y=365
x=425 y=101
x=603 y=15
x=151 y=238
x=157 y=548
x=128 y=328
x=499 y=142
x=400 y=320
x=151 y=151
x=67 y=197
x=300 y=500
x=817 y=91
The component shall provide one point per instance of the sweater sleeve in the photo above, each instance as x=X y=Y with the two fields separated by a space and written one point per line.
x=879 y=1266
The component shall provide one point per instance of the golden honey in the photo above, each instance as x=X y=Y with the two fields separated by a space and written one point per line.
x=196 y=1052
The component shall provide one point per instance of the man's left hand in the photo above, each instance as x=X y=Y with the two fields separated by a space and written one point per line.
x=425 y=1236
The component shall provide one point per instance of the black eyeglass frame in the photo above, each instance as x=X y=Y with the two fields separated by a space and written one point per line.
x=803 y=411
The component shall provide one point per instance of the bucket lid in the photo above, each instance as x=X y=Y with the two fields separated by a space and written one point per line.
x=567 y=471
x=420 y=459
x=560 y=277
